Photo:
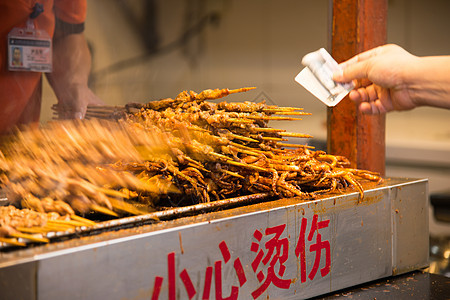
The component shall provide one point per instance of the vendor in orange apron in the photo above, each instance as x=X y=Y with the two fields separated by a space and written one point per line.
x=38 y=37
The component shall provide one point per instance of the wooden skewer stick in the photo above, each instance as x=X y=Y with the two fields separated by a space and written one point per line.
x=272 y=118
x=248 y=166
x=291 y=113
x=108 y=107
x=57 y=227
x=126 y=207
x=196 y=128
x=294 y=134
x=258 y=151
x=29 y=237
x=266 y=153
x=14 y=242
x=34 y=229
x=244 y=121
x=219 y=156
x=282 y=108
x=196 y=164
x=249 y=152
x=99 y=112
x=269 y=138
x=243 y=138
x=232 y=174
x=70 y=223
x=201 y=168
x=98 y=115
x=241 y=90
x=83 y=220
x=285 y=168
x=103 y=112
x=266 y=129
x=112 y=193
x=294 y=145
x=103 y=210
x=282 y=151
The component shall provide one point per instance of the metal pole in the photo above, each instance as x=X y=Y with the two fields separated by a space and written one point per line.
x=357 y=25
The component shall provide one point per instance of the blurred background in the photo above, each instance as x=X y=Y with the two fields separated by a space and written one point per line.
x=150 y=49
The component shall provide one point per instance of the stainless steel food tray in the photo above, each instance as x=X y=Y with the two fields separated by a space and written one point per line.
x=287 y=249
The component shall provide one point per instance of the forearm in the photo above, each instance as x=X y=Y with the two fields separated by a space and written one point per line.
x=71 y=64
x=69 y=79
x=428 y=81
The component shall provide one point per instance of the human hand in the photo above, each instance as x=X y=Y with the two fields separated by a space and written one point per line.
x=72 y=104
x=379 y=78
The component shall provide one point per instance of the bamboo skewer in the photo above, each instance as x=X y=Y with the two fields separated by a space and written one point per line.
x=243 y=121
x=269 y=138
x=249 y=152
x=57 y=227
x=82 y=220
x=247 y=166
x=232 y=174
x=29 y=237
x=273 y=118
x=263 y=129
x=14 y=242
x=200 y=167
x=292 y=146
x=98 y=115
x=112 y=193
x=261 y=152
x=126 y=207
x=105 y=107
x=294 y=134
x=34 y=229
x=243 y=138
x=103 y=210
x=219 y=156
x=291 y=113
x=281 y=108
x=70 y=223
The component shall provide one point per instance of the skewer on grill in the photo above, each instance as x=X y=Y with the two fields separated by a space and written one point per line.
x=11 y=241
x=187 y=145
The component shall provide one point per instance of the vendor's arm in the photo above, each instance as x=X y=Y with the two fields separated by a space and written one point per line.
x=69 y=79
x=389 y=78
x=429 y=81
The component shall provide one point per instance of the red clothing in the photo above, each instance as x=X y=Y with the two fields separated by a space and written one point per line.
x=20 y=92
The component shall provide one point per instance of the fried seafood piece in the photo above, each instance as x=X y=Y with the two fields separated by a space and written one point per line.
x=246 y=106
x=11 y=217
x=162 y=104
x=6 y=230
x=58 y=206
x=31 y=202
x=210 y=94
x=79 y=203
x=187 y=97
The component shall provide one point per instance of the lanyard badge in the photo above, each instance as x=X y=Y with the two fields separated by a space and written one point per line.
x=30 y=49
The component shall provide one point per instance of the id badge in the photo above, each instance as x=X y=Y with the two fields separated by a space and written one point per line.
x=29 y=49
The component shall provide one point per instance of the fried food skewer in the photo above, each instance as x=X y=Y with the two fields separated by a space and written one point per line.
x=164 y=153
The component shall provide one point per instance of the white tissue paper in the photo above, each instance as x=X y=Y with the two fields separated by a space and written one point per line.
x=317 y=77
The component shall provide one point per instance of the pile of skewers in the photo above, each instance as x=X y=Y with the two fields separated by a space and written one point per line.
x=166 y=153
x=17 y=225
x=227 y=149
x=60 y=172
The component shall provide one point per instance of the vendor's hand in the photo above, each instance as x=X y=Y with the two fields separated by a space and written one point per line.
x=379 y=78
x=73 y=104
x=70 y=76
